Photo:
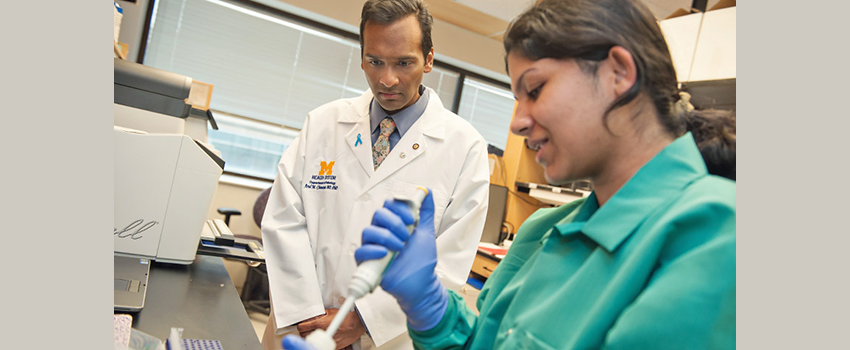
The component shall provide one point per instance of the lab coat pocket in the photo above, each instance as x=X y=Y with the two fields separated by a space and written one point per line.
x=406 y=189
x=518 y=338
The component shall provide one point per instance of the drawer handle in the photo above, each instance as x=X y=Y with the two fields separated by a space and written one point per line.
x=486 y=268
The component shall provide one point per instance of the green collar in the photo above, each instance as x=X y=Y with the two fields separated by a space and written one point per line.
x=663 y=177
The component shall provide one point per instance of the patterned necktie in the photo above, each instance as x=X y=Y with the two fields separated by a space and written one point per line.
x=382 y=146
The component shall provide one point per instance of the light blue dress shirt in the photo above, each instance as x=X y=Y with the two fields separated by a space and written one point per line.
x=403 y=119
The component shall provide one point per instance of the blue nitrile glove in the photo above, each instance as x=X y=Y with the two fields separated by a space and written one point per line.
x=294 y=342
x=410 y=278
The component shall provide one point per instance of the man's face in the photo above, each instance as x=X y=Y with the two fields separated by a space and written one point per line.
x=393 y=62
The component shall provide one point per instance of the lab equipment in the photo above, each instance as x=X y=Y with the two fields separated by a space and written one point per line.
x=131 y=282
x=151 y=89
x=493 y=226
x=218 y=240
x=165 y=172
x=412 y=278
x=164 y=184
x=365 y=279
x=221 y=232
x=123 y=325
x=158 y=101
x=175 y=339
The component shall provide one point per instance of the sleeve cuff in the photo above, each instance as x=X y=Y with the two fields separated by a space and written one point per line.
x=362 y=322
x=454 y=329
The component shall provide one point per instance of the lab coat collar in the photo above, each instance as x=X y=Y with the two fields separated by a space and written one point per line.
x=358 y=109
x=358 y=137
x=433 y=127
x=664 y=176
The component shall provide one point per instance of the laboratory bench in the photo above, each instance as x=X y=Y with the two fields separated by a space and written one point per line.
x=201 y=299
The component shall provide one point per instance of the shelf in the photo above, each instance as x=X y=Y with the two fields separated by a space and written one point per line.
x=718 y=94
x=554 y=195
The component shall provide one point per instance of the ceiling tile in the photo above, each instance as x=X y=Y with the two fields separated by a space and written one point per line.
x=505 y=10
x=491 y=17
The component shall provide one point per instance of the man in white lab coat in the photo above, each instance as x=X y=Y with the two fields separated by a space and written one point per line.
x=350 y=156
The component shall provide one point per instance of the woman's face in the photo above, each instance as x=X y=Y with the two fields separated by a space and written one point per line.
x=559 y=110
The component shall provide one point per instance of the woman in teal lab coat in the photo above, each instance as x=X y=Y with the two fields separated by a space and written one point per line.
x=647 y=261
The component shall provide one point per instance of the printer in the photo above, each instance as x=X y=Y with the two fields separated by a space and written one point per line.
x=166 y=173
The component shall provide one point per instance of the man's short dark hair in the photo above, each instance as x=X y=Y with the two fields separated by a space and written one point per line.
x=388 y=11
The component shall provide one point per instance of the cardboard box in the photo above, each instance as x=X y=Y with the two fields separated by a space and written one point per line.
x=681 y=12
x=200 y=95
x=723 y=4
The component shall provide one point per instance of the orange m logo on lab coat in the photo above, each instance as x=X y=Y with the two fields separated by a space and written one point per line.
x=327 y=168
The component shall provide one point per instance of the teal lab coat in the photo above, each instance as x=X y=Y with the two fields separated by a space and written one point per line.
x=653 y=268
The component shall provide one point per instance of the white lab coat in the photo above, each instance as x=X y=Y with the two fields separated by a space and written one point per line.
x=313 y=223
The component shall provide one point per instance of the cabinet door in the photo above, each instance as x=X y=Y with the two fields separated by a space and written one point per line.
x=681 y=35
x=483 y=266
x=715 y=56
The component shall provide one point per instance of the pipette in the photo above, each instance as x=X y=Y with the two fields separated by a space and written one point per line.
x=366 y=278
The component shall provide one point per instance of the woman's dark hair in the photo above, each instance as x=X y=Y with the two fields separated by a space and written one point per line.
x=714 y=133
x=586 y=30
x=388 y=11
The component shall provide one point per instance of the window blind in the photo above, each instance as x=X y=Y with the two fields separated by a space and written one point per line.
x=489 y=108
x=260 y=66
